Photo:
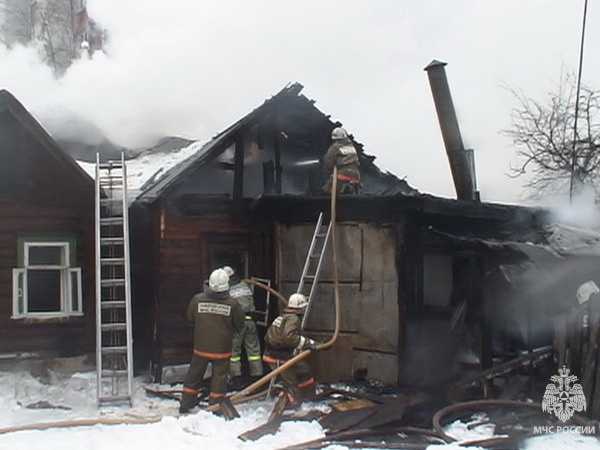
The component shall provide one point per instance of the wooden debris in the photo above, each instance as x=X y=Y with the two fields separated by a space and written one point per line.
x=506 y=367
x=172 y=394
x=337 y=421
x=345 y=437
x=272 y=426
x=384 y=414
x=44 y=404
x=258 y=432
x=351 y=405
x=227 y=409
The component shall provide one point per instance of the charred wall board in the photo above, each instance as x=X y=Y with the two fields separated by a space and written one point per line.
x=188 y=249
x=368 y=293
x=294 y=241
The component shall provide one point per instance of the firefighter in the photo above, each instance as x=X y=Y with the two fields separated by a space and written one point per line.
x=216 y=317
x=248 y=336
x=342 y=154
x=283 y=341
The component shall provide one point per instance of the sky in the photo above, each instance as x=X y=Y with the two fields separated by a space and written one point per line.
x=192 y=67
x=58 y=396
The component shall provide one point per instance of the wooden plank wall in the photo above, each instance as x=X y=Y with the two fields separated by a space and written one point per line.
x=182 y=266
x=370 y=313
x=65 y=337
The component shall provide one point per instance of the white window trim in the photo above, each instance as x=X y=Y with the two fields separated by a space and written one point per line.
x=66 y=286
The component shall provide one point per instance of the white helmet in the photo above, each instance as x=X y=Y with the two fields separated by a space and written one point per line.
x=585 y=290
x=339 y=133
x=218 y=281
x=298 y=300
x=228 y=270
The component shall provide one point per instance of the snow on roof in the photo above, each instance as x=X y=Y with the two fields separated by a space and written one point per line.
x=149 y=167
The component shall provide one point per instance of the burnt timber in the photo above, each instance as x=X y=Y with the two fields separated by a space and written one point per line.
x=415 y=270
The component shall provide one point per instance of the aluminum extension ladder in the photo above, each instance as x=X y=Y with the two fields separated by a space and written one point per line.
x=114 y=343
x=314 y=260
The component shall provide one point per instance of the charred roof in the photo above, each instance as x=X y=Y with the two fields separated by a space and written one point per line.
x=291 y=124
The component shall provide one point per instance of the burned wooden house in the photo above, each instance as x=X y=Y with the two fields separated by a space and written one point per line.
x=412 y=267
x=46 y=241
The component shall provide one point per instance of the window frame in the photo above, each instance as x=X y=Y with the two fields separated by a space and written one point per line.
x=71 y=292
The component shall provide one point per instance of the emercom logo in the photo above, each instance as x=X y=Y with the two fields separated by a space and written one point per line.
x=562 y=398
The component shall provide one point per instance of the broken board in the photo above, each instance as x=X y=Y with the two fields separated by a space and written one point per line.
x=272 y=426
x=351 y=405
x=258 y=432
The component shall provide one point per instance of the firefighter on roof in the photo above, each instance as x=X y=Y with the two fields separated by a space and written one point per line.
x=342 y=154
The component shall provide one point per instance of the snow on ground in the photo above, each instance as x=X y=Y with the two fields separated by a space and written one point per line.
x=63 y=397
x=73 y=398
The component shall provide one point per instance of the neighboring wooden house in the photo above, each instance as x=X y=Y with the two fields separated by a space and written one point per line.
x=46 y=241
x=412 y=267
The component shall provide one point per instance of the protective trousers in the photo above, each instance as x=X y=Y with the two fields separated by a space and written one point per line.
x=195 y=375
x=348 y=180
x=297 y=380
x=248 y=337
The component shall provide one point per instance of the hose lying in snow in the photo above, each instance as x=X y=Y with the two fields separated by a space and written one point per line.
x=240 y=396
x=489 y=402
x=92 y=422
x=78 y=423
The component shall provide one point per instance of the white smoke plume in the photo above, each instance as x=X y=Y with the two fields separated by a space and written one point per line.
x=190 y=68
x=581 y=211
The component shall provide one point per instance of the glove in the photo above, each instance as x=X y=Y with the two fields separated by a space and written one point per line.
x=312 y=346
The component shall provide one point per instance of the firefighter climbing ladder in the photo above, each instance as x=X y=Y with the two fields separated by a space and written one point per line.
x=311 y=270
x=114 y=353
x=314 y=260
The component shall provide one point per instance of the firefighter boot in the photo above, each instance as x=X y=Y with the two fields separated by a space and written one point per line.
x=188 y=401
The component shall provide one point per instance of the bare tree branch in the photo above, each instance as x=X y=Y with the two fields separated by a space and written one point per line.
x=543 y=133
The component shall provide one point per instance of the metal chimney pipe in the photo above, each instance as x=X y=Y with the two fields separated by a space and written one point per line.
x=461 y=167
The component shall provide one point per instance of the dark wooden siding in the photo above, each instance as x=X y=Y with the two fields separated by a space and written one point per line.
x=47 y=195
x=66 y=337
x=181 y=263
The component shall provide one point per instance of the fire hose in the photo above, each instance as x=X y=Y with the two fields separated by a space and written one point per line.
x=241 y=396
x=436 y=421
x=79 y=423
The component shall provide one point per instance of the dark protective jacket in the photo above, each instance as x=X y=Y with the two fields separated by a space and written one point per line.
x=243 y=294
x=216 y=317
x=284 y=337
x=342 y=154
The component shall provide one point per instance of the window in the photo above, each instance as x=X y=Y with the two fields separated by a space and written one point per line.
x=46 y=284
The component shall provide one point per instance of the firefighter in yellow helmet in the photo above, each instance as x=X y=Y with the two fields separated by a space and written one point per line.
x=216 y=316
x=283 y=341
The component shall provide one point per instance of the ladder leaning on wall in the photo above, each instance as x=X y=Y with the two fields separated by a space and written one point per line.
x=114 y=352
x=314 y=262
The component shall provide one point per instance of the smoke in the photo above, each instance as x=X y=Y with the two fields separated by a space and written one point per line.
x=190 y=68
x=580 y=211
